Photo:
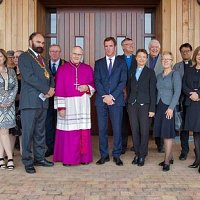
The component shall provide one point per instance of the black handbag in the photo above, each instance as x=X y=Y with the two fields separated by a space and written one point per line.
x=178 y=119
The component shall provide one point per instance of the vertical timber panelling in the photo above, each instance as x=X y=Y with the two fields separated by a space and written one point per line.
x=180 y=24
x=2 y=25
x=17 y=22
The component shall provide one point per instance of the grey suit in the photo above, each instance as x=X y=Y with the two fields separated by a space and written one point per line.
x=33 y=109
x=184 y=135
x=158 y=67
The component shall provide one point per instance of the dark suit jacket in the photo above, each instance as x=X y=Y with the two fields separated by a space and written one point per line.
x=33 y=82
x=144 y=90
x=61 y=62
x=189 y=85
x=51 y=99
x=133 y=63
x=113 y=84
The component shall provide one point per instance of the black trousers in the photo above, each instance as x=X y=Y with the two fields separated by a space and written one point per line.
x=125 y=128
x=50 y=126
x=139 y=120
x=33 y=135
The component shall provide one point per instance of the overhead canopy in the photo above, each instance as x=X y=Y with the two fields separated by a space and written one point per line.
x=61 y=3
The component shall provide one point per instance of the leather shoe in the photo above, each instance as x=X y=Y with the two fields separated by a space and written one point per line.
x=48 y=153
x=135 y=160
x=199 y=169
x=44 y=163
x=132 y=148
x=163 y=162
x=194 y=165
x=141 y=162
x=118 y=161
x=102 y=160
x=183 y=156
x=123 y=151
x=30 y=169
x=166 y=167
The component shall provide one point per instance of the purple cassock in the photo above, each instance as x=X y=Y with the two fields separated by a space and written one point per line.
x=73 y=132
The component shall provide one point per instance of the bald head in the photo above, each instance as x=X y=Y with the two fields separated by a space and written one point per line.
x=76 y=55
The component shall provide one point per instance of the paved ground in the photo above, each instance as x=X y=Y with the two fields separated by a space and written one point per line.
x=107 y=182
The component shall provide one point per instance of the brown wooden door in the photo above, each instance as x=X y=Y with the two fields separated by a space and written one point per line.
x=93 y=25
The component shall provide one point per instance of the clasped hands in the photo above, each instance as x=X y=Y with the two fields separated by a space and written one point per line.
x=194 y=96
x=83 y=88
x=50 y=93
x=108 y=99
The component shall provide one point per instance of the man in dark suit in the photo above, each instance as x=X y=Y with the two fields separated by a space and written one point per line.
x=129 y=58
x=51 y=119
x=110 y=79
x=141 y=90
x=37 y=85
x=181 y=67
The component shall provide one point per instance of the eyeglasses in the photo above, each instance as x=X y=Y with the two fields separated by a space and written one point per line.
x=186 y=51
x=55 y=51
x=166 y=59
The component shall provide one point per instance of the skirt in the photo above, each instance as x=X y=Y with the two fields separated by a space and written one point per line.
x=163 y=127
x=192 y=117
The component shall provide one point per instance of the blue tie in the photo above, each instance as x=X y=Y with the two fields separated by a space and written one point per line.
x=53 y=68
x=110 y=67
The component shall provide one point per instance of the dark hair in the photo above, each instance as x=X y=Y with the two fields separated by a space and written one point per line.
x=126 y=39
x=34 y=34
x=141 y=50
x=5 y=55
x=186 y=45
x=196 y=51
x=110 y=39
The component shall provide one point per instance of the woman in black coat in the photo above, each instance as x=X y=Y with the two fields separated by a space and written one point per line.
x=191 y=88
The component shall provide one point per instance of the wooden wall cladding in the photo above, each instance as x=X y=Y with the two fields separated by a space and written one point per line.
x=17 y=21
x=180 y=24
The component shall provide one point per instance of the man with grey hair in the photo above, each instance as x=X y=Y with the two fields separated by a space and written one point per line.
x=154 y=62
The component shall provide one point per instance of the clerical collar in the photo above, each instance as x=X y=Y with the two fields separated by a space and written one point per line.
x=186 y=62
x=74 y=65
x=128 y=56
x=35 y=53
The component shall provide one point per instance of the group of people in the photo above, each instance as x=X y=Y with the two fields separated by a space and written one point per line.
x=142 y=91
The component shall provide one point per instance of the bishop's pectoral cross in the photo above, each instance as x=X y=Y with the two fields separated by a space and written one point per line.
x=76 y=84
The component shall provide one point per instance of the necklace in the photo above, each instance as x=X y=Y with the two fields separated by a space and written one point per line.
x=4 y=75
x=76 y=84
x=46 y=73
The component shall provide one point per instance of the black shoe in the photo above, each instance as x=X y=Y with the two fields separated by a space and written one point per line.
x=66 y=165
x=141 y=161
x=102 y=160
x=199 y=169
x=85 y=163
x=123 y=151
x=194 y=165
x=160 y=149
x=48 y=153
x=166 y=167
x=183 y=156
x=135 y=160
x=132 y=148
x=30 y=169
x=44 y=163
x=163 y=162
x=117 y=161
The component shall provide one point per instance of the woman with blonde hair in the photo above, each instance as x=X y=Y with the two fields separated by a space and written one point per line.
x=168 y=92
x=8 y=91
